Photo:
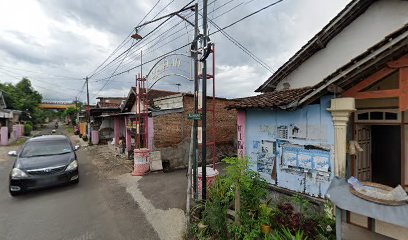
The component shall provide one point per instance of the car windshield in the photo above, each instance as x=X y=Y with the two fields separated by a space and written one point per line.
x=44 y=148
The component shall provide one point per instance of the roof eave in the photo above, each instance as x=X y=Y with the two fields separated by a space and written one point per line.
x=352 y=11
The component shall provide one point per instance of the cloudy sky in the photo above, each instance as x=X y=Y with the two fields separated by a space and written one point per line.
x=57 y=43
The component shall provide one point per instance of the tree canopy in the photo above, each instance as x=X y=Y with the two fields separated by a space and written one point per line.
x=23 y=97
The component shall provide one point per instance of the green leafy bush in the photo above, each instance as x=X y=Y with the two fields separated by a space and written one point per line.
x=296 y=218
x=27 y=129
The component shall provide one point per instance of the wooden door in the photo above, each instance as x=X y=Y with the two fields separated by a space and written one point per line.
x=363 y=159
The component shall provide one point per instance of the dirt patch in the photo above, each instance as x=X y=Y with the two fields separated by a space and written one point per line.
x=4 y=152
x=109 y=164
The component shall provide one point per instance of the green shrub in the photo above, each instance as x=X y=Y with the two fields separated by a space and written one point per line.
x=295 y=218
x=27 y=129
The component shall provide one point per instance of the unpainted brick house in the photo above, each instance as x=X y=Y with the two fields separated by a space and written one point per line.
x=172 y=129
x=169 y=130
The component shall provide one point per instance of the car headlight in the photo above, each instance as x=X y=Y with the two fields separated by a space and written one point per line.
x=17 y=173
x=73 y=165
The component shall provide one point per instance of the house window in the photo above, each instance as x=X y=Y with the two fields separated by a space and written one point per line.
x=391 y=116
x=282 y=132
x=362 y=116
x=378 y=116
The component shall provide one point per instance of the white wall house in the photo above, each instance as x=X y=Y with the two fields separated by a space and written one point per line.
x=348 y=84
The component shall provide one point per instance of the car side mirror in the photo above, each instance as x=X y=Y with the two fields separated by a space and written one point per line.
x=76 y=147
x=12 y=153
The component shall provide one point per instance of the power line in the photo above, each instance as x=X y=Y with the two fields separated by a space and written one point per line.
x=221 y=29
x=161 y=35
x=152 y=60
x=167 y=19
x=112 y=74
x=127 y=50
x=41 y=73
x=243 y=48
x=123 y=42
x=30 y=78
x=132 y=51
x=247 y=16
x=181 y=29
x=177 y=31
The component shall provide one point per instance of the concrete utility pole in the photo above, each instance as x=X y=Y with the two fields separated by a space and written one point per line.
x=204 y=106
x=77 y=112
x=88 y=110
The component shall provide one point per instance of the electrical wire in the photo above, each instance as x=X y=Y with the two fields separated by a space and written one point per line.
x=39 y=73
x=162 y=34
x=247 y=16
x=167 y=19
x=243 y=48
x=123 y=42
x=29 y=77
x=107 y=82
x=219 y=30
x=182 y=28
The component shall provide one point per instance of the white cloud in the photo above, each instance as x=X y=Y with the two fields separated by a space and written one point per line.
x=71 y=38
x=238 y=81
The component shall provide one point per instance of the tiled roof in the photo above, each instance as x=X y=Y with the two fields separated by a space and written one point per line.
x=271 y=99
x=108 y=105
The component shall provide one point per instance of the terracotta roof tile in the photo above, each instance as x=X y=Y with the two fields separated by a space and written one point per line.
x=108 y=105
x=270 y=99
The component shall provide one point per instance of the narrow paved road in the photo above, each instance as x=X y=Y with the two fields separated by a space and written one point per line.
x=96 y=208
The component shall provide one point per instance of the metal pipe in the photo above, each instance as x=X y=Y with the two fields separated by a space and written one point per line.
x=204 y=108
x=195 y=123
x=214 y=133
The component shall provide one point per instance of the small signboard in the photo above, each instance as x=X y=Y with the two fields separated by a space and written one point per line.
x=194 y=116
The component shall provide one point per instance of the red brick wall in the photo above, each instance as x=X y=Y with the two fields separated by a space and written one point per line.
x=172 y=132
x=167 y=130
x=226 y=120
x=171 y=129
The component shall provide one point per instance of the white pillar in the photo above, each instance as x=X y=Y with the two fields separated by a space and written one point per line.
x=340 y=110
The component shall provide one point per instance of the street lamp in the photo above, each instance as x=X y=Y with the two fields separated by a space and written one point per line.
x=136 y=36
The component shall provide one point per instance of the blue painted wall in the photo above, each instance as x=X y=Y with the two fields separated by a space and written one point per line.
x=293 y=149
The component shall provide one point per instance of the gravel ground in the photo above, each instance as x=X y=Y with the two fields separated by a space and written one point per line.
x=160 y=196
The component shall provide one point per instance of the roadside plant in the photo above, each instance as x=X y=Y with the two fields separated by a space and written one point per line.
x=254 y=217
x=214 y=215
x=285 y=234
x=27 y=129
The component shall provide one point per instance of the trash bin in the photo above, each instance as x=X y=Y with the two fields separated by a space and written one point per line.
x=141 y=162
x=4 y=136
x=95 y=137
x=211 y=174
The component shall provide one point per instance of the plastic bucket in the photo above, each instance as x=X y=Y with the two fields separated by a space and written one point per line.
x=141 y=162
x=211 y=175
x=95 y=137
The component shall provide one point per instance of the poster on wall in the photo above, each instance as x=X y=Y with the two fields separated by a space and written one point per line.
x=266 y=157
x=305 y=157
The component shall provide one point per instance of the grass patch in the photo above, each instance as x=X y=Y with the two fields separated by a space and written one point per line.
x=19 y=142
x=70 y=130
